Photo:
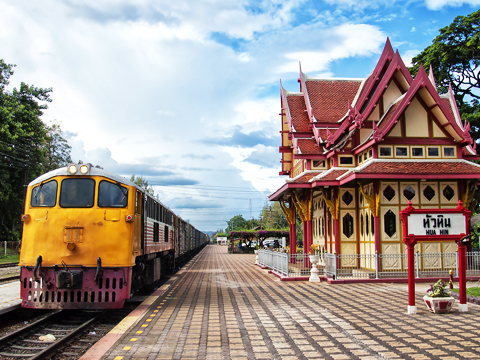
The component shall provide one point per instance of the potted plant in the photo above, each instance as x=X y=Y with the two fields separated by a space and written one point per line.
x=438 y=299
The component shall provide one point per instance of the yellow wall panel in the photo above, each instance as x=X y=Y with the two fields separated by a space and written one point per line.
x=391 y=94
x=416 y=120
x=437 y=132
x=396 y=131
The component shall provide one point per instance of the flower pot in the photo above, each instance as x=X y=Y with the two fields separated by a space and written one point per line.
x=439 y=305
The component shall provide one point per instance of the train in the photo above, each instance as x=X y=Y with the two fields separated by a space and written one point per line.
x=91 y=239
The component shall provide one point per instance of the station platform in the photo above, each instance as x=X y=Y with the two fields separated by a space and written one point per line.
x=222 y=306
x=10 y=296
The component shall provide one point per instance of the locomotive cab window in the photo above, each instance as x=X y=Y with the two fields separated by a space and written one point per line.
x=44 y=194
x=112 y=194
x=77 y=193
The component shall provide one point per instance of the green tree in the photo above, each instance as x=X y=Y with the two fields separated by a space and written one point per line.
x=236 y=223
x=57 y=150
x=455 y=58
x=272 y=217
x=22 y=145
x=143 y=183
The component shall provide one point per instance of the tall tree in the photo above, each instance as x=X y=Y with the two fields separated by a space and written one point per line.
x=22 y=141
x=272 y=217
x=56 y=149
x=143 y=183
x=455 y=58
x=236 y=223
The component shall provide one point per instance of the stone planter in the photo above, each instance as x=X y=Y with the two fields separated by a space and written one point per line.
x=314 y=259
x=439 y=305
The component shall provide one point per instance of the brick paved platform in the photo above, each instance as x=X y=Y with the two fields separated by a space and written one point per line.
x=223 y=307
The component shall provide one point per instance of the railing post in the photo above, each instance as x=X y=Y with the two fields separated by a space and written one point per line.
x=418 y=264
x=335 y=266
x=456 y=264
x=376 y=265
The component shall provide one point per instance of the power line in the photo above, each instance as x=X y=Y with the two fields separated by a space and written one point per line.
x=233 y=188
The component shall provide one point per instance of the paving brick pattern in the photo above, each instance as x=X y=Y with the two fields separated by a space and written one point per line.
x=222 y=306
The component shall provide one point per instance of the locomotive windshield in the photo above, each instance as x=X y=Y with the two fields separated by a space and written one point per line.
x=112 y=194
x=44 y=194
x=77 y=193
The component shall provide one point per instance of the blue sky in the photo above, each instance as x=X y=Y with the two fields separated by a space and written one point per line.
x=186 y=93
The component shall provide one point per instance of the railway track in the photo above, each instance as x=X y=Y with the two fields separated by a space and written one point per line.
x=7 y=265
x=9 y=278
x=64 y=325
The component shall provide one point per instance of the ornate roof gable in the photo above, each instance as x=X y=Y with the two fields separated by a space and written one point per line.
x=430 y=95
x=389 y=64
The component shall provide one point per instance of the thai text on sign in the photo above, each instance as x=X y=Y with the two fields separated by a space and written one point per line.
x=437 y=224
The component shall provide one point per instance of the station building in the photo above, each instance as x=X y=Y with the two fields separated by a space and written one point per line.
x=356 y=151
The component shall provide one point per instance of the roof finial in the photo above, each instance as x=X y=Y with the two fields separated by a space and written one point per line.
x=431 y=77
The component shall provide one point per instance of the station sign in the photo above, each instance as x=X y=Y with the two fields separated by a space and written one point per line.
x=446 y=223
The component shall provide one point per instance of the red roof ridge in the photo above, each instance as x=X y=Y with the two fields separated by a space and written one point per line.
x=372 y=161
x=312 y=78
x=328 y=172
x=305 y=172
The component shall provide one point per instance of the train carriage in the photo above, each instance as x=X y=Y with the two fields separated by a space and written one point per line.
x=91 y=239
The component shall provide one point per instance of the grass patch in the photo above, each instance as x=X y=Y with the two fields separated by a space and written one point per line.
x=474 y=291
x=9 y=258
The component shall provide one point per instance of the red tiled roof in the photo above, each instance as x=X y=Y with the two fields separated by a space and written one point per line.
x=333 y=175
x=307 y=147
x=305 y=177
x=323 y=133
x=296 y=105
x=329 y=98
x=446 y=102
x=420 y=168
x=389 y=115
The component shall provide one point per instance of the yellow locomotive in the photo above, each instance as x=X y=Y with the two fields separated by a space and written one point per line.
x=91 y=239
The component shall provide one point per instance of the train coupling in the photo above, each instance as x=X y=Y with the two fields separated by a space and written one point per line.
x=99 y=272
x=66 y=279
x=37 y=270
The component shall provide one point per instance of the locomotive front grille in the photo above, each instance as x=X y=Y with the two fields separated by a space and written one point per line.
x=110 y=291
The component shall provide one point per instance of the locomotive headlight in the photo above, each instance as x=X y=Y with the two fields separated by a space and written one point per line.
x=129 y=218
x=72 y=169
x=25 y=217
x=84 y=169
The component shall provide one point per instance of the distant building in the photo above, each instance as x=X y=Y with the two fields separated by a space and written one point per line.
x=355 y=151
x=222 y=240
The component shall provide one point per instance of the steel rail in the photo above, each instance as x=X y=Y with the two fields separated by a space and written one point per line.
x=7 y=265
x=49 y=349
x=10 y=278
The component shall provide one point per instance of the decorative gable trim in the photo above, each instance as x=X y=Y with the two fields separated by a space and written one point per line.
x=421 y=81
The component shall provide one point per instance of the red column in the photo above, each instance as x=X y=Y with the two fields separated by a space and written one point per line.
x=330 y=237
x=306 y=249
x=462 y=276
x=376 y=219
x=412 y=309
x=336 y=224
x=309 y=234
x=325 y=226
x=293 y=239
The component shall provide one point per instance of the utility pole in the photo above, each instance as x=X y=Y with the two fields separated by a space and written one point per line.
x=250 y=205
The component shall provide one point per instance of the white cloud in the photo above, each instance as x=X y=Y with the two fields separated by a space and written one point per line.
x=439 y=4
x=148 y=86
x=343 y=41
x=408 y=55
